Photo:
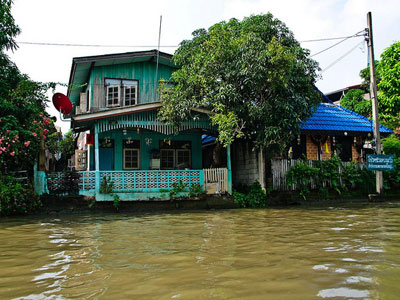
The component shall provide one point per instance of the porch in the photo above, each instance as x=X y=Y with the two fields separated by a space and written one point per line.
x=146 y=184
x=143 y=158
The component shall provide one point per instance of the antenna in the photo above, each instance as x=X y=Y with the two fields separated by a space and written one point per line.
x=158 y=56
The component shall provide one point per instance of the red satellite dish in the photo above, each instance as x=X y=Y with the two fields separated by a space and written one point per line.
x=62 y=103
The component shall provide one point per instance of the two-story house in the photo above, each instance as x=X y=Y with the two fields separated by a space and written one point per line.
x=116 y=100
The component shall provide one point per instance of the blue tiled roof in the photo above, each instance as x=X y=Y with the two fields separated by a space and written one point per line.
x=331 y=117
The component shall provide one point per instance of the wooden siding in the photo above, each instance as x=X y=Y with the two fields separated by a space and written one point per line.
x=149 y=141
x=144 y=72
x=148 y=120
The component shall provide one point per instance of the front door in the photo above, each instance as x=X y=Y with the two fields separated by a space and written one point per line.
x=106 y=155
x=343 y=147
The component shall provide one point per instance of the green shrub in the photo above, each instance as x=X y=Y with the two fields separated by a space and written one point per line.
x=328 y=175
x=350 y=174
x=16 y=198
x=253 y=196
x=302 y=174
x=177 y=188
x=106 y=185
x=195 y=190
x=116 y=201
x=240 y=199
x=391 y=145
x=392 y=178
x=327 y=178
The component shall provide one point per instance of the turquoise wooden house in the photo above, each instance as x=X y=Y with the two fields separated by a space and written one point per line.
x=116 y=101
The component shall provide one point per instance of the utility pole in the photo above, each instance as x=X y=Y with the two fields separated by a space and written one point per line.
x=373 y=92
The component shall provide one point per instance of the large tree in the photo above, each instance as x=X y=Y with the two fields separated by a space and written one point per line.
x=355 y=101
x=252 y=75
x=23 y=119
x=389 y=85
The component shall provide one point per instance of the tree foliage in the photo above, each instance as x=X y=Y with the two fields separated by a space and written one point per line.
x=8 y=29
x=389 y=86
x=252 y=75
x=365 y=75
x=355 y=101
x=23 y=120
x=391 y=145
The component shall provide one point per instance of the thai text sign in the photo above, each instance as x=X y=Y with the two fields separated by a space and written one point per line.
x=380 y=162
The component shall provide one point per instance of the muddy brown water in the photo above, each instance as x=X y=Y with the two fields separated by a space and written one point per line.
x=348 y=252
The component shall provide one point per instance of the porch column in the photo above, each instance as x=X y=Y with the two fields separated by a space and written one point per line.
x=261 y=168
x=39 y=180
x=97 y=157
x=228 y=164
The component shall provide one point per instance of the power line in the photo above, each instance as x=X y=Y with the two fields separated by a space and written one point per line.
x=343 y=56
x=93 y=45
x=334 y=38
x=345 y=39
x=162 y=46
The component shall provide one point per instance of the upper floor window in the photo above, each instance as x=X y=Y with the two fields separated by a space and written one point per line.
x=113 y=95
x=130 y=95
x=121 y=92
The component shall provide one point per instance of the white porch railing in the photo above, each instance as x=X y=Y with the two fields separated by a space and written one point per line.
x=216 y=180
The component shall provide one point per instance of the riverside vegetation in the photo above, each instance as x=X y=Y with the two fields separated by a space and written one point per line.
x=332 y=177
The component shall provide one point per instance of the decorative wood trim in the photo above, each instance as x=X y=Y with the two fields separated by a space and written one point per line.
x=117 y=112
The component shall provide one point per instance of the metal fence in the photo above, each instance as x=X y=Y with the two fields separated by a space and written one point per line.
x=21 y=177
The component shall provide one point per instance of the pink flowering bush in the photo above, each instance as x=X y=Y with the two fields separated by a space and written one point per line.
x=16 y=199
x=20 y=145
x=23 y=122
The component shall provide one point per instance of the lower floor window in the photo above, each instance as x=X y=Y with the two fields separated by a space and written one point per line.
x=167 y=157
x=175 y=158
x=183 y=158
x=131 y=158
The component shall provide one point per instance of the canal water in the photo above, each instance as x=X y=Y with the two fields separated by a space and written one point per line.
x=297 y=253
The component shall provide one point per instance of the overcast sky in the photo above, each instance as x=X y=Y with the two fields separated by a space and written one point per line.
x=136 y=23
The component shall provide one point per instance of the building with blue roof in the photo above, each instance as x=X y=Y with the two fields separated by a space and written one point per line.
x=334 y=119
x=333 y=129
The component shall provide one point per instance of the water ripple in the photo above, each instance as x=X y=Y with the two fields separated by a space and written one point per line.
x=296 y=253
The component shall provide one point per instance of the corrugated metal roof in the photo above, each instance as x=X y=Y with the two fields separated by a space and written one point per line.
x=332 y=118
x=206 y=139
x=335 y=118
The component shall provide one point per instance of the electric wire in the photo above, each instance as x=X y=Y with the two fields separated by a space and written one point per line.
x=94 y=45
x=162 y=46
x=331 y=39
x=343 y=56
x=345 y=39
